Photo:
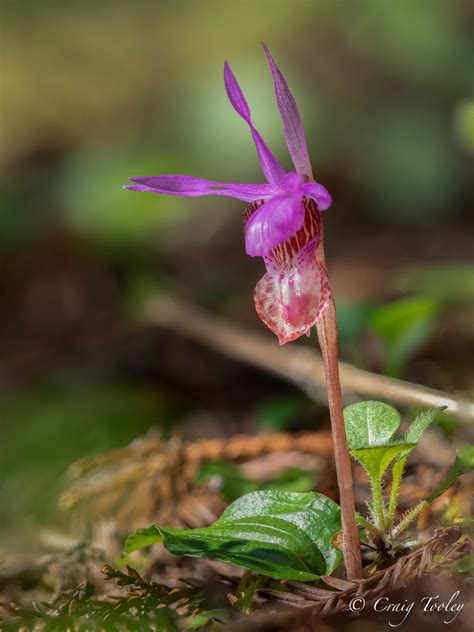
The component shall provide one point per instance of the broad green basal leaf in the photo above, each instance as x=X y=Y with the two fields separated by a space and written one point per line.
x=283 y=535
x=376 y=460
x=370 y=424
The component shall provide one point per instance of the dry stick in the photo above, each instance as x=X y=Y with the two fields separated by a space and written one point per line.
x=327 y=336
x=296 y=363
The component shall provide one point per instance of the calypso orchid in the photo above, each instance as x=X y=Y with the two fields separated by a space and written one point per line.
x=283 y=226
x=282 y=223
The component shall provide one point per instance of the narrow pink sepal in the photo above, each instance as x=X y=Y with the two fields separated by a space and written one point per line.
x=290 y=116
x=271 y=168
x=188 y=186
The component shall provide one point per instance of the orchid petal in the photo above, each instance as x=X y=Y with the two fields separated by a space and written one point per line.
x=273 y=223
x=187 y=186
x=271 y=168
x=291 y=299
x=290 y=116
x=319 y=194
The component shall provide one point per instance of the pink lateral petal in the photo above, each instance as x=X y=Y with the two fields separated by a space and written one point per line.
x=273 y=223
x=318 y=193
x=291 y=299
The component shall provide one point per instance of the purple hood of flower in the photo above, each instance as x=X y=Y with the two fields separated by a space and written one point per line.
x=282 y=208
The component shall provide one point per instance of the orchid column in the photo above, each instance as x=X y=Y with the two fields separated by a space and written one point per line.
x=283 y=226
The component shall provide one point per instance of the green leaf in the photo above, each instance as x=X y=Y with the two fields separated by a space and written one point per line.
x=376 y=460
x=231 y=482
x=370 y=424
x=404 y=326
x=397 y=473
x=143 y=538
x=279 y=412
x=446 y=283
x=421 y=423
x=465 y=456
x=464 y=122
x=293 y=479
x=352 y=320
x=217 y=615
x=283 y=535
x=464 y=463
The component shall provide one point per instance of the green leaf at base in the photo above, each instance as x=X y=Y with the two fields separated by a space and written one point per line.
x=397 y=473
x=464 y=463
x=283 y=535
x=421 y=423
x=375 y=460
x=143 y=538
x=370 y=424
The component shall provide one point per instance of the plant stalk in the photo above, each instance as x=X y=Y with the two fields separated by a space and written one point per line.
x=409 y=517
x=397 y=473
x=327 y=335
x=369 y=527
x=378 y=503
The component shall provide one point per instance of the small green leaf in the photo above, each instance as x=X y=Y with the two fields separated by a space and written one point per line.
x=370 y=424
x=293 y=479
x=279 y=412
x=446 y=283
x=421 y=423
x=465 y=456
x=218 y=615
x=143 y=538
x=231 y=482
x=283 y=535
x=376 y=460
x=464 y=463
x=397 y=473
x=404 y=326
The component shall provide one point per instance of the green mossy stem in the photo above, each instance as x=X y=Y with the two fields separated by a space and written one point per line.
x=377 y=505
x=369 y=527
x=397 y=474
x=409 y=518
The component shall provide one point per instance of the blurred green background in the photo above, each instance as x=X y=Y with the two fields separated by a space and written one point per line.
x=95 y=92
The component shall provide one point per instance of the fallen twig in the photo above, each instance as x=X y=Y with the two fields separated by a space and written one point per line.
x=297 y=364
x=442 y=549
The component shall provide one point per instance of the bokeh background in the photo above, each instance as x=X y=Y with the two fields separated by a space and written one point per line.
x=95 y=92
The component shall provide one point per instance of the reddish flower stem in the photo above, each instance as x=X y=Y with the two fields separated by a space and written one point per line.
x=327 y=336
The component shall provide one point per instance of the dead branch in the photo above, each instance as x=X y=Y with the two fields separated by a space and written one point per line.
x=442 y=549
x=300 y=365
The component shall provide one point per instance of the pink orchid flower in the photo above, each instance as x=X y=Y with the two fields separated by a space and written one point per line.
x=282 y=223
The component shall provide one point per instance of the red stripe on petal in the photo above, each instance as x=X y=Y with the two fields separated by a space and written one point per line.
x=250 y=210
x=291 y=297
x=310 y=230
